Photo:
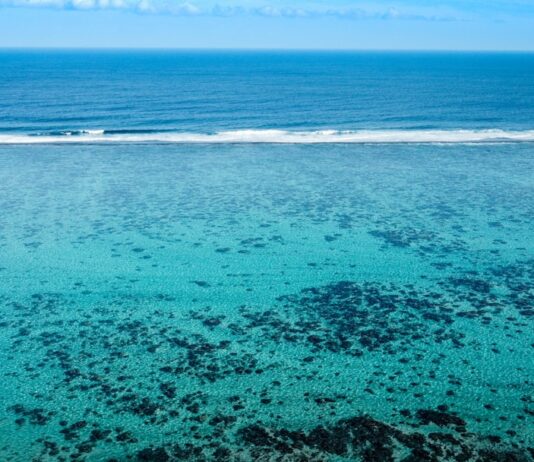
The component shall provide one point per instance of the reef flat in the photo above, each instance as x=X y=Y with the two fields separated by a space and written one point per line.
x=270 y=303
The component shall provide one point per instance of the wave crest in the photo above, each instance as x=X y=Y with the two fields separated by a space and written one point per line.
x=275 y=137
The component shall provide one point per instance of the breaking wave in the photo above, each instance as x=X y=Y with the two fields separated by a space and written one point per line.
x=273 y=137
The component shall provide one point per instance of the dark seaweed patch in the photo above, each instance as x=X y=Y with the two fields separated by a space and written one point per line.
x=351 y=318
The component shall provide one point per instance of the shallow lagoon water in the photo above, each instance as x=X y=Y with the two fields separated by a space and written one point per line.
x=261 y=302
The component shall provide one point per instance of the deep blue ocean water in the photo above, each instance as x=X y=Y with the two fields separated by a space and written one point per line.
x=242 y=256
x=209 y=92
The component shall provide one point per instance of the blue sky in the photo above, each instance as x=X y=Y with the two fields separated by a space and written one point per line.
x=316 y=24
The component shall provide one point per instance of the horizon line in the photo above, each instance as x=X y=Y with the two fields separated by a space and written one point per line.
x=273 y=49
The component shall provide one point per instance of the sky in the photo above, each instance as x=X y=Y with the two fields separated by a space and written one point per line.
x=500 y=25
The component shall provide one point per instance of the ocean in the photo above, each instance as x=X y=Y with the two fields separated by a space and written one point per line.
x=271 y=256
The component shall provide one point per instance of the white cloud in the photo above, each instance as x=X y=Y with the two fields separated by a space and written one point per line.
x=267 y=9
x=139 y=5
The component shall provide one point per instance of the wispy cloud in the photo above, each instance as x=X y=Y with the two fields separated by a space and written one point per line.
x=271 y=9
x=444 y=10
x=147 y=6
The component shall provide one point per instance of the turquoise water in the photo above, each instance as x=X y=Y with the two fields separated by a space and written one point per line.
x=266 y=256
x=266 y=302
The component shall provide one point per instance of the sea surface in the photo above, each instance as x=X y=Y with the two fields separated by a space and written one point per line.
x=266 y=256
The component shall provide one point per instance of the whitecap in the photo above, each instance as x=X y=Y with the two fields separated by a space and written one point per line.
x=281 y=137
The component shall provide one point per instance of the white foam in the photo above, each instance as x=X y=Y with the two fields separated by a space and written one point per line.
x=281 y=137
